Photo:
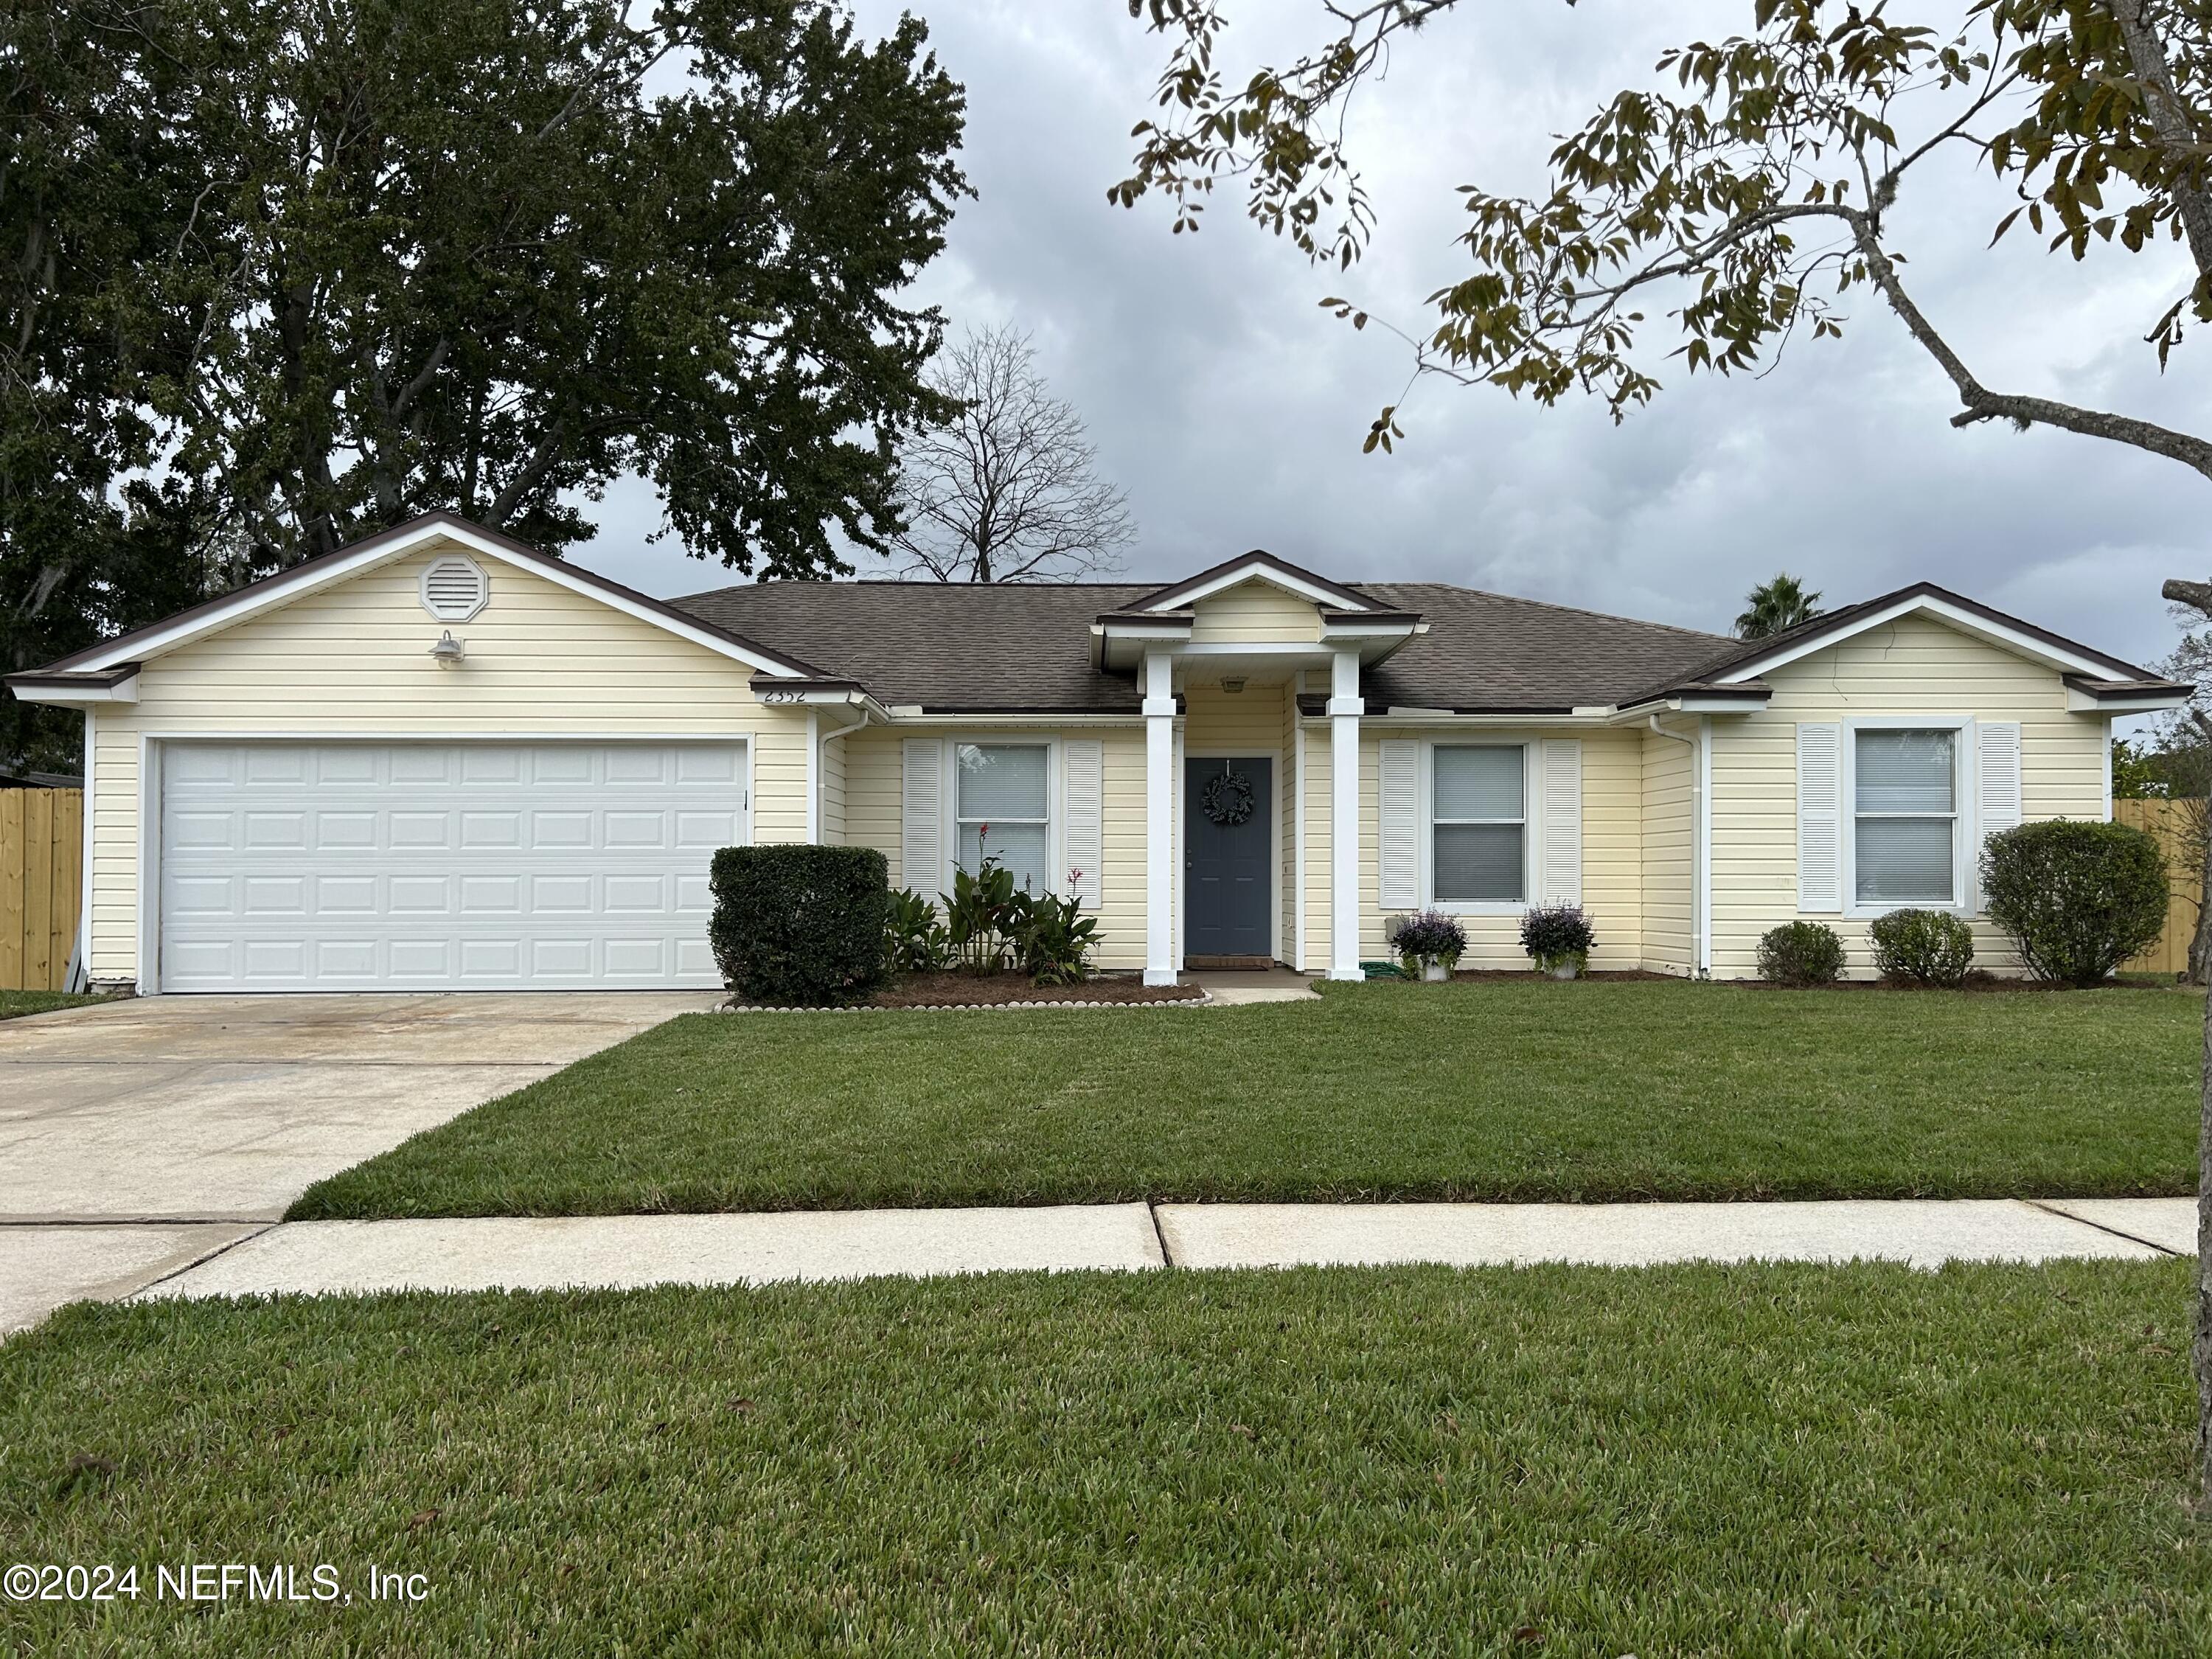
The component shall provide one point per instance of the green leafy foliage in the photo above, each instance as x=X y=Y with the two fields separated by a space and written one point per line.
x=795 y=924
x=279 y=274
x=915 y=940
x=1055 y=938
x=1801 y=953
x=1774 y=606
x=981 y=914
x=1736 y=202
x=1921 y=947
x=2077 y=899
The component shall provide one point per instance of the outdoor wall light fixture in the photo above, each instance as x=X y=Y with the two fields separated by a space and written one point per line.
x=448 y=651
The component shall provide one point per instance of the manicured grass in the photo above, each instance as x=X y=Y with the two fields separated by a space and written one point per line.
x=15 y=1004
x=1755 y=1461
x=1496 y=1091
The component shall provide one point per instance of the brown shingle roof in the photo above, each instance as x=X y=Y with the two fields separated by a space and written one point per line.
x=967 y=647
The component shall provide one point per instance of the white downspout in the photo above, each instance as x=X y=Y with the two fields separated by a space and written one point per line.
x=1701 y=839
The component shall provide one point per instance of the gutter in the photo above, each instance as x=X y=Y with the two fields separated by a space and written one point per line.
x=1701 y=837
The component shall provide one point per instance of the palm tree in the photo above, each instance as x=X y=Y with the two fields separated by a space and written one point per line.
x=1773 y=606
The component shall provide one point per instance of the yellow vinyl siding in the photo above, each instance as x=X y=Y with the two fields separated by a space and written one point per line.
x=353 y=660
x=1669 y=930
x=1254 y=611
x=833 y=789
x=1915 y=665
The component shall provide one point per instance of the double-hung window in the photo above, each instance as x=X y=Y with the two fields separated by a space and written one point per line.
x=1904 y=815
x=1479 y=825
x=1002 y=811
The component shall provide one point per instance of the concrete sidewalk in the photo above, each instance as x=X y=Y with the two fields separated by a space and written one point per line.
x=627 y=1251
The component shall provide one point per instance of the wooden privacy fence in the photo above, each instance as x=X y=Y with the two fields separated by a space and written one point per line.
x=2168 y=821
x=41 y=863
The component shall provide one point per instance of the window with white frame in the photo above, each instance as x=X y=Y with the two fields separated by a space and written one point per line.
x=1904 y=815
x=1002 y=810
x=1479 y=824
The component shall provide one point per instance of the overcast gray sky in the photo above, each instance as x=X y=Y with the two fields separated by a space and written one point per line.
x=1232 y=408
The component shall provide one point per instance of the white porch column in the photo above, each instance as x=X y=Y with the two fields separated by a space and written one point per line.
x=1158 y=687
x=1344 y=709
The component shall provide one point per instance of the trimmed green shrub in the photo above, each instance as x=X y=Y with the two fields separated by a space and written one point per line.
x=2077 y=899
x=1922 y=947
x=797 y=924
x=1801 y=953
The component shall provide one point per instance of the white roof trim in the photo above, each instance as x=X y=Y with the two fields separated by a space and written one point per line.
x=1966 y=622
x=1259 y=570
x=341 y=566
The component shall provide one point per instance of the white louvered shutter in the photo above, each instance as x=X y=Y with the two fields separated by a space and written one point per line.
x=1083 y=767
x=1562 y=865
x=1997 y=788
x=1819 y=818
x=921 y=817
x=1400 y=829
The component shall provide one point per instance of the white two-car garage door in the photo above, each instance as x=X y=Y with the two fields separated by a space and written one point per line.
x=359 y=867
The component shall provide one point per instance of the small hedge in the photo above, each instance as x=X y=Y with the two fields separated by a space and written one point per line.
x=2078 y=899
x=1922 y=947
x=1801 y=953
x=799 y=924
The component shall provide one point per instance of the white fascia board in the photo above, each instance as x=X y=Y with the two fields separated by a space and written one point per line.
x=1166 y=628
x=2024 y=645
x=2084 y=702
x=63 y=696
x=1332 y=629
x=1255 y=570
x=253 y=601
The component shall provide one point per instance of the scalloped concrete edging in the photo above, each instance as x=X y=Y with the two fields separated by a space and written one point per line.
x=1204 y=1000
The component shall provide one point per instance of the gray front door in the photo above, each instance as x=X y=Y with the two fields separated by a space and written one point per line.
x=1227 y=834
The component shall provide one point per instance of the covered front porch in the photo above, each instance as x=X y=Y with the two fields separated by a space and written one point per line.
x=1251 y=681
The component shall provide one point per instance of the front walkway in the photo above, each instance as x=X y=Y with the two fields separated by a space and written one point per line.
x=623 y=1252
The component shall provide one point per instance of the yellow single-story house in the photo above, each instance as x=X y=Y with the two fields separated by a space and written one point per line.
x=439 y=759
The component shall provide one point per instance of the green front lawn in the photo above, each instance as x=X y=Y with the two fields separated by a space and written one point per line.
x=1748 y=1461
x=1493 y=1090
x=15 y=1004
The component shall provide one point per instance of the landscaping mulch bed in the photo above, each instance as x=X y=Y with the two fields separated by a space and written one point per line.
x=959 y=990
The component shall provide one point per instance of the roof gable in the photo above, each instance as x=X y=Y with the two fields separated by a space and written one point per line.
x=1255 y=566
x=1966 y=616
x=431 y=529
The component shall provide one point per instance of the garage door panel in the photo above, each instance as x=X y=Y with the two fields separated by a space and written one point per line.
x=344 y=866
x=550 y=830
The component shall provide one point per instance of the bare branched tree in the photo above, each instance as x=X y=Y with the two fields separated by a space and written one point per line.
x=1007 y=490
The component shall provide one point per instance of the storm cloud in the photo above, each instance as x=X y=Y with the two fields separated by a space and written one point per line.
x=1231 y=407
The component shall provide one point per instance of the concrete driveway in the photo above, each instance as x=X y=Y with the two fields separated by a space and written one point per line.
x=137 y=1137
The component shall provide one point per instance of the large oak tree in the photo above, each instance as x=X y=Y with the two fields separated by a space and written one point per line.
x=280 y=272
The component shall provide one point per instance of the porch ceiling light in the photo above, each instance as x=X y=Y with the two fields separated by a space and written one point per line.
x=1233 y=683
x=448 y=651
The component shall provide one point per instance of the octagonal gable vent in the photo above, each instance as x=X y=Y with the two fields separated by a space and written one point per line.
x=454 y=588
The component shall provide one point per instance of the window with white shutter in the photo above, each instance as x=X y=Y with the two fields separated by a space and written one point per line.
x=1399 y=783
x=1562 y=862
x=1083 y=771
x=1479 y=824
x=1819 y=818
x=921 y=817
